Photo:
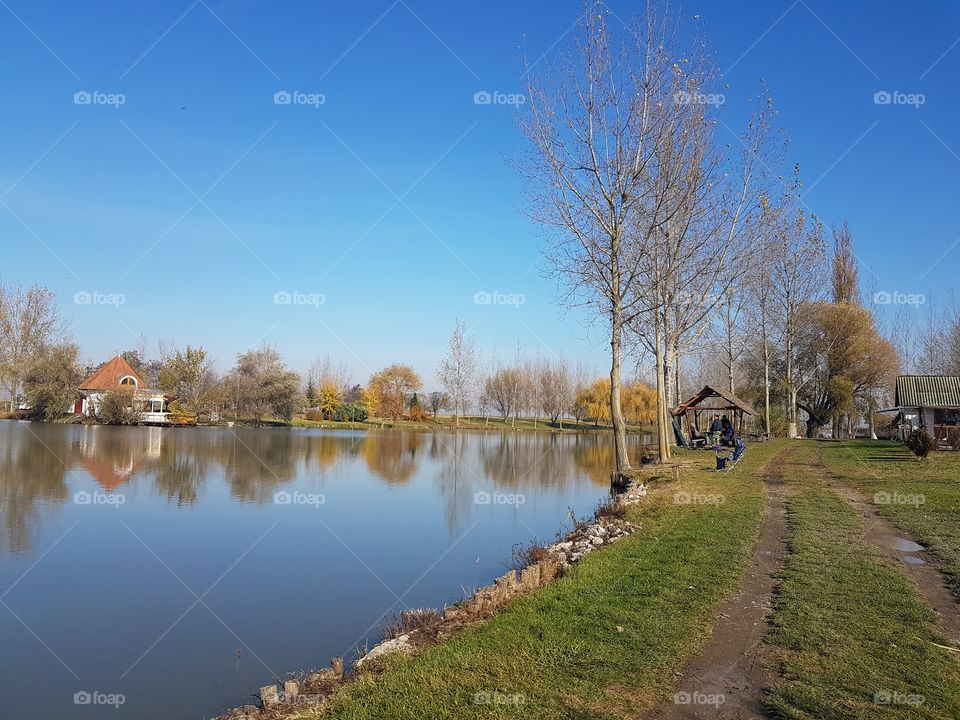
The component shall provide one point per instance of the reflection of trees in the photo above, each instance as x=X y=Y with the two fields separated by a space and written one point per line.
x=258 y=461
x=392 y=456
x=519 y=461
x=31 y=468
x=456 y=478
x=593 y=455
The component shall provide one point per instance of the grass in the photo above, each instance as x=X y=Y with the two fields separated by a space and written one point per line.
x=849 y=630
x=603 y=641
x=921 y=497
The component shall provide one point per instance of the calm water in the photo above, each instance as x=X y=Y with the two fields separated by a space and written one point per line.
x=185 y=568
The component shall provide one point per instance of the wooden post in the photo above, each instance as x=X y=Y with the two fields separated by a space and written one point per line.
x=269 y=695
x=336 y=664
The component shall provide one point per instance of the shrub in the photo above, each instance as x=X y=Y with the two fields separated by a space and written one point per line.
x=610 y=508
x=117 y=407
x=523 y=556
x=351 y=412
x=407 y=620
x=921 y=443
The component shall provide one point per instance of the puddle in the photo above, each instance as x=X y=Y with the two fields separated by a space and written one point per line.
x=912 y=560
x=901 y=545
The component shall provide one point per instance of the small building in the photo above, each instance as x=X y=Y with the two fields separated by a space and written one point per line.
x=153 y=405
x=928 y=402
x=713 y=402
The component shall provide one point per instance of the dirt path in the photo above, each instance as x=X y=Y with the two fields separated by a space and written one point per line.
x=729 y=666
x=906 y=554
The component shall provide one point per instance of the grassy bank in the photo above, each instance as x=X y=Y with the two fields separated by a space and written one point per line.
x=850 y=632
x=922 y=497
x=446 y=422
x=605 y=639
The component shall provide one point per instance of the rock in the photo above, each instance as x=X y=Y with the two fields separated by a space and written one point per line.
x=597 y=540
x=530 y=577
x=291 y=688
x=399 y=644
x=269 y=696
x=336 y=665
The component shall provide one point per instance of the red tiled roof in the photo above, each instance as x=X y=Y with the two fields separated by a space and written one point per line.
x=109 y=376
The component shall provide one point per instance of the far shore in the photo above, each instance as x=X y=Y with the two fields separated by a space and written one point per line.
x=440 y=423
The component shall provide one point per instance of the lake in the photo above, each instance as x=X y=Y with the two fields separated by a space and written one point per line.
x=184 y=568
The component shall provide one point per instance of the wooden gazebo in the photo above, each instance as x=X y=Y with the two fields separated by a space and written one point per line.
x=713 y=402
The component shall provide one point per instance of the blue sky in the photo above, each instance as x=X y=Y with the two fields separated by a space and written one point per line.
x=199 y=198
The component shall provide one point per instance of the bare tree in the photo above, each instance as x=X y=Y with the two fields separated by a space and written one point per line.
x=438 y=401
x=30 y=321
x=555 y=389
x=798 y=273
x=592 y=125
x=460 y=370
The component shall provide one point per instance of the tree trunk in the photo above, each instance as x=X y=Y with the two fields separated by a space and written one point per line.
x=616 y=413
x=663 y=444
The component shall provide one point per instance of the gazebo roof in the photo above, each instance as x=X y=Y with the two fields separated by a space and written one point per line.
x=710 y=399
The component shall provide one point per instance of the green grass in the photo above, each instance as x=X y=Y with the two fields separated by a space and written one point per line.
x=847 y=625
x=893 y=471
x=560 y=653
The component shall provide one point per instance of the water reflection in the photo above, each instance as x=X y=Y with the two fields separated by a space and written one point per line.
x=38 y=462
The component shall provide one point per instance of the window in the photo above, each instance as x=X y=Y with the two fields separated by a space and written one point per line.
x=946 y=416
x=127 y=380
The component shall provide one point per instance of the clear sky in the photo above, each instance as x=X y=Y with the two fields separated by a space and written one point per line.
x=199 y=198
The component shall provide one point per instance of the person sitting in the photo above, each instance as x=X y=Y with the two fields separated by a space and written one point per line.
x=716 y=425
x=726 y=433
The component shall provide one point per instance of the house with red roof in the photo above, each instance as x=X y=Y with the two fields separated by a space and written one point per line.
x=119 y=374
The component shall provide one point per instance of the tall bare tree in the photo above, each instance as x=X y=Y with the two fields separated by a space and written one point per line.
x=593 y=124
x=460 y=370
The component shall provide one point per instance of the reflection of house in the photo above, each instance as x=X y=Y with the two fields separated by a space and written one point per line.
x=930 y=402
x=113 y=461
x=119 y=374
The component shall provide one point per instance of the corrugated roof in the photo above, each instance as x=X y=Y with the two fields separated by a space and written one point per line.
x=108 y=377
x=928 y=391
